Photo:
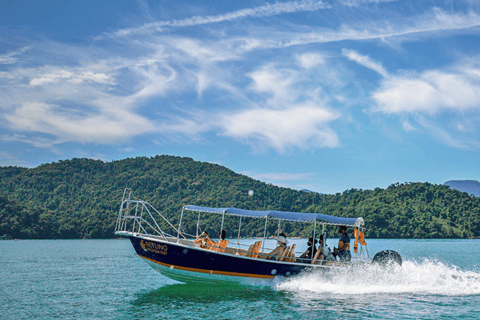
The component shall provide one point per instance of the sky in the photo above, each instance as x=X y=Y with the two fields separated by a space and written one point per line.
x=318 y=95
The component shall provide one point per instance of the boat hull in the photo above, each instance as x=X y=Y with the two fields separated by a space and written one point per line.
x=191 y=264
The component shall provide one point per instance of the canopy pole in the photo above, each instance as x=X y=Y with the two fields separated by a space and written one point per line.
x=223 y=219
x=324 y=238
x=180 y=226
x=313 y=242
x=239 y=226
x=198 y=222
x=264 y=234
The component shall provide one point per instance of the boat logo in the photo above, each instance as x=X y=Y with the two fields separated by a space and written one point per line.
x=154 y=247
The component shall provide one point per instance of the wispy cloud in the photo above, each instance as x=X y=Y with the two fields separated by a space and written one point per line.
x=262 y=11
x=11 y=57
x=64 y=75
x=365 y=61
x=286 y=117
x=94 y=95
x=87 y=102
x=6 y=159
x=310 y=60
x=37 y=142
x=442 y=135
x=358 y=3
x=434 y=21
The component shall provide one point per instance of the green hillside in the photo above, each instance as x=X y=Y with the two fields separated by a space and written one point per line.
x=79 y=198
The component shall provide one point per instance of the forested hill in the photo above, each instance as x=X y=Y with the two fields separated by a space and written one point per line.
x=79 y=198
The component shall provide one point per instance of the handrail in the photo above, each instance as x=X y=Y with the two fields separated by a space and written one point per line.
x=129 y=211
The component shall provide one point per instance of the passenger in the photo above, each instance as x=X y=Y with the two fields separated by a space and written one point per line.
x=311 y=251
x=343 y=250
x=222 y=243
x=326 y=253
x=322 y=252
x=222 y=234
x=281 y=246
x=204 y=240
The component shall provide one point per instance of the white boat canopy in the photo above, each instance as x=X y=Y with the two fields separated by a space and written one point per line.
x=281 y=215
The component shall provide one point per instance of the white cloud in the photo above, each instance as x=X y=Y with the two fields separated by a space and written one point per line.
x=444 y=103
x=357 y=3
x=275 y=82
x=94 y=95
x=72 y=77
x=429 y=92
x=92 y=102
x=310 y=60
x=365 y=61
x=300 y=126
x=288 y=112
x=51 y=78
x=70 y=126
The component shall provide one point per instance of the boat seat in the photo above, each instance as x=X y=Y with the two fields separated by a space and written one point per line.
x=257 y=250
x=292 y=254
x=220 y=246
x=285 y=254
x=254 y=249
x=289 y=254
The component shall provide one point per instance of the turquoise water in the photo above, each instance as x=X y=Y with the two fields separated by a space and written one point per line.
x=104 y=279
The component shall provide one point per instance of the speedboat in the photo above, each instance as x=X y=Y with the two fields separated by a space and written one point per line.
x=178 y=254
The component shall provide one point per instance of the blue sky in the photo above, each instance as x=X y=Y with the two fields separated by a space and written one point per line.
x=322 y=95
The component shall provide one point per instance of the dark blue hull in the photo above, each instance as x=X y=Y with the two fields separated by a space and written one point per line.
x=187 y=263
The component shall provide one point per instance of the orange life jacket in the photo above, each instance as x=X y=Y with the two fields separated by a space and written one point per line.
x=359 y=237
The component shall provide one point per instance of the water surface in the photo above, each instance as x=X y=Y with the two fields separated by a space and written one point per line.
x=104 y=279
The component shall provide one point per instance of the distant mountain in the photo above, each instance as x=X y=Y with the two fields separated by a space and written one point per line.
x=468 y=186
x=309 y=191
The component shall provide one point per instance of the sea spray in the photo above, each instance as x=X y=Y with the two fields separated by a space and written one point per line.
x=428 y=277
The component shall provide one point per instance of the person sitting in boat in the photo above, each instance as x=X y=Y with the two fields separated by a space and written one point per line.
x=324 y=254
x=204 y=240
x=343 y=251
x=221 y=244
x=311 y=251
x=279 y=250
x=222 y=235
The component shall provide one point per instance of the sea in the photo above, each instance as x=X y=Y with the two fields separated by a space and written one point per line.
x=105 y=279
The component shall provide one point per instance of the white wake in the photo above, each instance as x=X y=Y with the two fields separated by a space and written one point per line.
x=426 y=278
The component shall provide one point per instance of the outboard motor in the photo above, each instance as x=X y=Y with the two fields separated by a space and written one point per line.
x=387 y=257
